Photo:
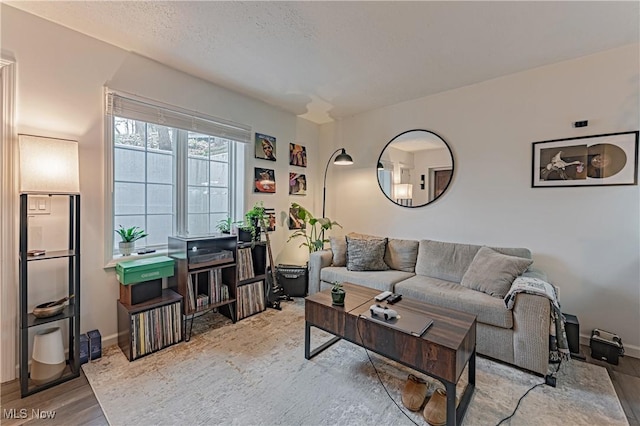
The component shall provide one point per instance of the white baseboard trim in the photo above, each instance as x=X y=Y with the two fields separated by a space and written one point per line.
x=629 y=350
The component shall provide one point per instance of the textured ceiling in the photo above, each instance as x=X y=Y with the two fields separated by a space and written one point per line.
x=327 y=60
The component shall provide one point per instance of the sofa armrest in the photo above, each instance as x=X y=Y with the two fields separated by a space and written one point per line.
x=535 y=273
x=317 y=261
x=531 y=319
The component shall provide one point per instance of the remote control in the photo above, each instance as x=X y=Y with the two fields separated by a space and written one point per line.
x=394 y=298
x=382 y=296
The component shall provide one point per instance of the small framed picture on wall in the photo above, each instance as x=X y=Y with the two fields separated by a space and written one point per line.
x=297 y=155
x=297 y=184
x=265 y=180
x=295 y=222
x=271 y=219
x=265 y=147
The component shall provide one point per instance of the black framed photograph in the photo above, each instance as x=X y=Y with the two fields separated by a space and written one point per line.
x=271 y=219
x=297 y=184
x=265 y=147
x=295 y=222
x=265 y=180
x=297 y=155
x=608 y=159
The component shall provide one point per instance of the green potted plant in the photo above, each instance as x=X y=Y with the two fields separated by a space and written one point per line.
x=224 y=225
x=337 y=294
x=313 y=229
x=251 y=224
x=128 y=237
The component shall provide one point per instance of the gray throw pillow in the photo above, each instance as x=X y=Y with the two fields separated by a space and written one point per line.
x=366 y=255
x=339 y=249
x=401 y=255
x=493 y=273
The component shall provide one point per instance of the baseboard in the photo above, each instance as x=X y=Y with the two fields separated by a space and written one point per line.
x=629 y=350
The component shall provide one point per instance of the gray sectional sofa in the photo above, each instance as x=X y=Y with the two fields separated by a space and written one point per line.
x=464 y=277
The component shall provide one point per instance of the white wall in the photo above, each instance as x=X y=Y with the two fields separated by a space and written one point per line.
x=586 y=239
x=60 y=78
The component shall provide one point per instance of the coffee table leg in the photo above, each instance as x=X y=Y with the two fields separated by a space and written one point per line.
x=451 y=403
x=308 y=353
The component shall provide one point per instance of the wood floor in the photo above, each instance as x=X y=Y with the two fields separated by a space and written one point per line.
x=75 y=404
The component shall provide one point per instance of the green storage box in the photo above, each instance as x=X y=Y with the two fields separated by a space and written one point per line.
x=150 y=268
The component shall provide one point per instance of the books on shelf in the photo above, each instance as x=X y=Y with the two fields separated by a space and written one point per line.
x=250 y=299
x=208 y=287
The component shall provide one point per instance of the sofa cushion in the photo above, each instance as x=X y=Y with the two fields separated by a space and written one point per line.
x=339 y=250
x=380 y=280
x=450 y=261
x=493 y=273
x=366 y=255
x=446 y=261
x=488 y=309
x=402 y=255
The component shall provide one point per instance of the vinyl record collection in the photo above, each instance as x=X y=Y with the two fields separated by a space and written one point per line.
x=245 y=264
x=155 y=329
x=211 y=291
x=250 y=299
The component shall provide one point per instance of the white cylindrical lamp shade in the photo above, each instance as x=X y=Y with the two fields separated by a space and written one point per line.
x=48 y=359
x=48 y=166
x=404 y=191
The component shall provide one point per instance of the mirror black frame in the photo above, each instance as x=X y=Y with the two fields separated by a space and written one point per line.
x=448 y=183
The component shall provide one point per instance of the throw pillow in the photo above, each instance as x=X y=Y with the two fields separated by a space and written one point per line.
x=493 y=273
x=366 y=255
x=401 y=255
x=339 y=249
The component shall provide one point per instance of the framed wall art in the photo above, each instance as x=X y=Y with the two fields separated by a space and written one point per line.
x=265 y=180
x=608 y=159
x=271 y=219
x=265 y=147
x=295 y=222
x=297 y=184
x=297 y=155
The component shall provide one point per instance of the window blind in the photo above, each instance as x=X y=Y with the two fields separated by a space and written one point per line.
x=148 y=111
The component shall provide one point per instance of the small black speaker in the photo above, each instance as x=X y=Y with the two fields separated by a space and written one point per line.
x=572 y=328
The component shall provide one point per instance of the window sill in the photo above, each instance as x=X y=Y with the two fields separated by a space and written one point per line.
x=113 y=262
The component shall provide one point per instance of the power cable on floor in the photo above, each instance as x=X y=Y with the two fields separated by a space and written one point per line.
x=378 y=374
x=525 y=394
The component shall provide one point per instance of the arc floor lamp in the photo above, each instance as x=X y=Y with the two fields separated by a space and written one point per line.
x=342 y=159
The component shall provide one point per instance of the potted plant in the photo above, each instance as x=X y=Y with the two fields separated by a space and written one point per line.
x=337 y=294
x=313 y=229
x=129 y=236
x=252 y=221
x=224 y=225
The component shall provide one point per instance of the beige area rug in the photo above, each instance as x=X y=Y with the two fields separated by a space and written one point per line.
x=254 y=372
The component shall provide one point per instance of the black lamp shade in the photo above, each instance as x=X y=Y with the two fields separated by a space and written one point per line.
x=380 y=166
x=343 y=159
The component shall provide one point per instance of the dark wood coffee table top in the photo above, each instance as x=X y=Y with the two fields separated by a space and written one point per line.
x=442 y=351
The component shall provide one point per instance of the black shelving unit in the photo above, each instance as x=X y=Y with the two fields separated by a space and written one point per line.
x=71 y=313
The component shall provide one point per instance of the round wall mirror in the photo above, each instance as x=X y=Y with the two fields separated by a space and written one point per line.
x=415 y=168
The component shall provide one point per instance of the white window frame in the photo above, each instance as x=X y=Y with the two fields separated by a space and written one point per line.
x=242 y=136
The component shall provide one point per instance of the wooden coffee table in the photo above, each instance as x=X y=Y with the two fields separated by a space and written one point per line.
x=442 y=352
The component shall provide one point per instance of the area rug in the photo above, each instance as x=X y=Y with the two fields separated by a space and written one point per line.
x=254 y=372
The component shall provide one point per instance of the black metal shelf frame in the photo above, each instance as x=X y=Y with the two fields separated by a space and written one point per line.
x=71 y=313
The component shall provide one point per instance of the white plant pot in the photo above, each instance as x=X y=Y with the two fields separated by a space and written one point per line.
x=126 y=248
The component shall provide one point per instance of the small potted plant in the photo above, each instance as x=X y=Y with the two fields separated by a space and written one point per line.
x=337 y=294
x=128 y=237
x=251 y=224
x=224 y=225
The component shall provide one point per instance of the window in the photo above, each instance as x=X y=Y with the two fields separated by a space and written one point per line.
x=169 y=179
